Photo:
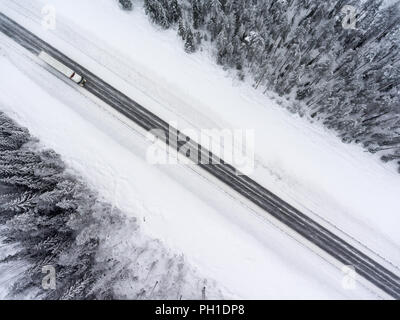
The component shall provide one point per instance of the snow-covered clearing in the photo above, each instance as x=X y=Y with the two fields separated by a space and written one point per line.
x=337 y=184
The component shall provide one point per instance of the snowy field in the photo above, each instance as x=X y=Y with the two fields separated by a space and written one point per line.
x=344 y=188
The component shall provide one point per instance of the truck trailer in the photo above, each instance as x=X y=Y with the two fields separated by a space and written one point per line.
x=62 y=68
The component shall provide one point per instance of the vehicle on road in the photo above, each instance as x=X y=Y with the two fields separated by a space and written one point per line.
x=60 y=67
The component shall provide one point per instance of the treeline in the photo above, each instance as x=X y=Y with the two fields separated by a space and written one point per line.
x=309 y=52
x=49 y=217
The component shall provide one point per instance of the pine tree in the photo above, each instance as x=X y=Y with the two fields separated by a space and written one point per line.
x=126 y=4
x=181 y=30
x=189 y=43
x=198 y=16
x=175 y=11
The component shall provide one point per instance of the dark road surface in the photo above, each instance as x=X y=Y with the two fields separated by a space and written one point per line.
x=257 y=194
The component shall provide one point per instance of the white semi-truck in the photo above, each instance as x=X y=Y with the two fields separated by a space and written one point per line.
x=60 y=67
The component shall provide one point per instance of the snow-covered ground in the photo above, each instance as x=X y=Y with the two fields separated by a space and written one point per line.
x=349 y=191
